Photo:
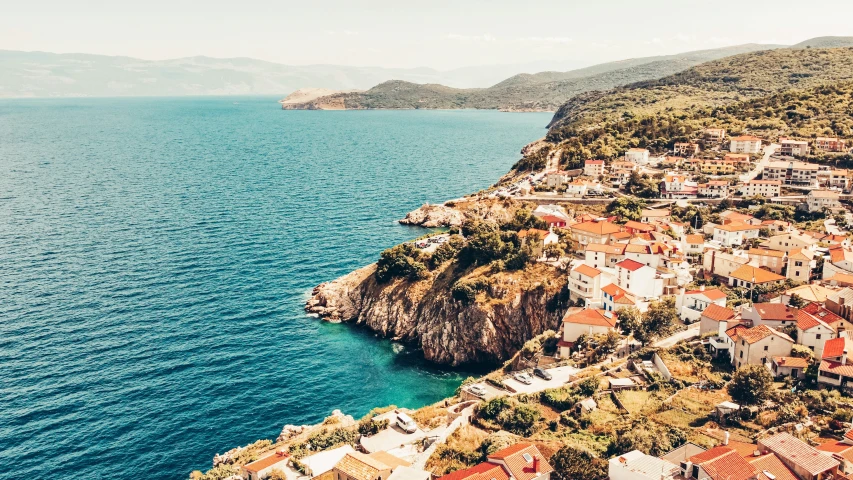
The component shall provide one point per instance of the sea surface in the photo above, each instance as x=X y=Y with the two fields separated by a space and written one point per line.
x=155 y=255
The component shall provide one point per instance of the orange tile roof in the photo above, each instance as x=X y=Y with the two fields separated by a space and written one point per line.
x=360 y=466
x=634 y=248
x=585 y=269
x=716 y=312
x=695 y=239
x=772 y=464
x=542 y=233
x=765 y=253
x=760 y=332
x=710 y=293
x=799 y=453
x=751 y=274
x=631 y=265
x=619 y=294
x=841 y=278
x=598 y=228
x=595 y=162
x=518 y=466
x=590 y=316
x=620 y=235
x=265 y=462
x=793 y=362
x=737 y=227
x=711 y=454
x=836 y=368
x=386 y=458
x=645 y=227
x=612 y=249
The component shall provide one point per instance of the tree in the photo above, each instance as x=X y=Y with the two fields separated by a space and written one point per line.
x=797 y=301
x=630 y=319
x=751 y=385
x=627 y=208
x=658 y=321
x=401 y=261
x=554 y=251
x=574 y=463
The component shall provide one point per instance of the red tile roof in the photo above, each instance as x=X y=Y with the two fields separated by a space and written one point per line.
x=716 y=312
x=760 y=332
x=482 y=471
x=794 y=450
x=834 y=347
x=765 y=253
x=595 y=162
x=775 y=311
x=695 y=239
x=631 y=265
x=590 y=316
x=770 y=463
x=822 y=313
x=265 y=462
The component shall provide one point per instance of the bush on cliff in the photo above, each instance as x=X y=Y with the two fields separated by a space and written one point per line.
x=575 y=463
x=446 y=251
x=401 y=261
x=466 y=290
x=510 y=415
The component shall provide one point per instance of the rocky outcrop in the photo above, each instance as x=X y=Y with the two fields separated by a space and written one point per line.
x=431 y=216
x=448 y=331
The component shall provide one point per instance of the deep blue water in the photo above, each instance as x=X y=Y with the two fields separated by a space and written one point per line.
x=155 y=255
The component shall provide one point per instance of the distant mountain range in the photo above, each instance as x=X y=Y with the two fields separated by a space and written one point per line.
x=41 y=74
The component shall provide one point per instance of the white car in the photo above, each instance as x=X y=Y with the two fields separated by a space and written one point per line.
x=477 y=390
x=524 y=378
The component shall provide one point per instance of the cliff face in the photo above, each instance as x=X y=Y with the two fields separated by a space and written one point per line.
x=448 y=331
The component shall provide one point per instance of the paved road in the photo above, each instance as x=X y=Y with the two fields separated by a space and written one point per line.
x=691 y=332
x=768 y=151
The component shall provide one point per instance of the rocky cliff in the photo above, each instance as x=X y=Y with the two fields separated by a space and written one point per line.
x=514 y=308
x=431 y=216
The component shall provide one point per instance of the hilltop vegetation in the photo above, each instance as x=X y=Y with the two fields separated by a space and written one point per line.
x=801 y=93
x=541 y=91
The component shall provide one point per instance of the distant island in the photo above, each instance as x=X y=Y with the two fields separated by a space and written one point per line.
x=545 y=91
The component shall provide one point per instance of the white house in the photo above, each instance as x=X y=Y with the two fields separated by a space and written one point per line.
x=690 y=304
x=817 y=200
x=584 y=321
x=789 y=241
x=603 y=256
x=813 y=331
x=723 y=264
x=636 y=465
x=836 y=366
x=745 y=144
x=773 y=260
x=735 y=233
x=793 y=148
x=263 y=467
x=585 y=282
x=762 y=188
x=638 y=279
x=640 y=156
x=757 y=345
x=800 y=264
x=693 y=245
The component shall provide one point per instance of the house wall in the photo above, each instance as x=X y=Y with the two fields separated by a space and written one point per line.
x=761 y=352
x=774 y=264
x=799 y=269
x=571 y=331
x=815 y=338
x=640 y=282
x=785 y=242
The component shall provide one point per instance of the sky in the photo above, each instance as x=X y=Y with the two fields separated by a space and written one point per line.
x=405 y=34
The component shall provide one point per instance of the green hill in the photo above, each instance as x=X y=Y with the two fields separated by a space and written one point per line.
x=797 y=92
x=540 y=91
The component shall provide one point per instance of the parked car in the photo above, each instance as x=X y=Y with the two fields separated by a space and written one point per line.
x=542 y=373
x=477 y=390
x=524 y=378
x=406 y=423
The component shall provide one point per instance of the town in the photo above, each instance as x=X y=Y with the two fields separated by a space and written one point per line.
x=707 y=334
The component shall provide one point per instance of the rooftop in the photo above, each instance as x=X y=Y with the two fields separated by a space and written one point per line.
x=716 y=312
x=799 y=453
x=631 y=265
x=775 y=311
x=590 y=316
x=585 y=269
x=751 y=274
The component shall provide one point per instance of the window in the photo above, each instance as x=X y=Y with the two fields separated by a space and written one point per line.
x=817 y=337
x=741 y=355
x=766 y=348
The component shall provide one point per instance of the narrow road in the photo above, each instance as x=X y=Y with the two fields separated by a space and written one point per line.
x=691 y=332
x=768 y=151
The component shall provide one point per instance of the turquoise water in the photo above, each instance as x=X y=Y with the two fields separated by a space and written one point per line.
x=155 y=255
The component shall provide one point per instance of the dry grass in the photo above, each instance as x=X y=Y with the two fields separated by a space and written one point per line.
x=429 y=417
x=636 y=401
x=467 y=437
x=464 y=443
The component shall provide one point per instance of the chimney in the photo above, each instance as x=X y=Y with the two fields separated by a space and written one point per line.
x=726 y=439
x=536 y=464
x=844 y=357
x=701 y=288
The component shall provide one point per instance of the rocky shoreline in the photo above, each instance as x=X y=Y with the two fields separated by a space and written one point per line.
x=448 y=331
x=433 y=216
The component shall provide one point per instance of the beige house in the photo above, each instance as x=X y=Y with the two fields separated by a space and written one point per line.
x=647 y=215
x=789 y=367
x=748 y=276
x=593 y=168
x=263 y=467
x=757 y=345
x=717 y=319
x=358 y=466
x=800 y=264
x=789 y=241
x=745 y=144
x=593 y=232
x=723 y=264
x=601 y=256
x=772 y=260
x=715 y=134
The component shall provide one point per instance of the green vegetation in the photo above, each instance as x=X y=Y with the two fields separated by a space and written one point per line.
x=510 y=415
x=751 y=385
x=403 y=261
x=574 y=463
x=541 y=91
x=799 y=93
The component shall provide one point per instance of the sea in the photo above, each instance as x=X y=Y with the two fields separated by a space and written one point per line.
x=156 y=254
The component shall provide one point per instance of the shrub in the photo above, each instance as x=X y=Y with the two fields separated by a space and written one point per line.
x=401 y=261
x=372 y=427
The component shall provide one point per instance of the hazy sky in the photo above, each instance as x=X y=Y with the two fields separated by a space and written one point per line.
x=435 y=33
